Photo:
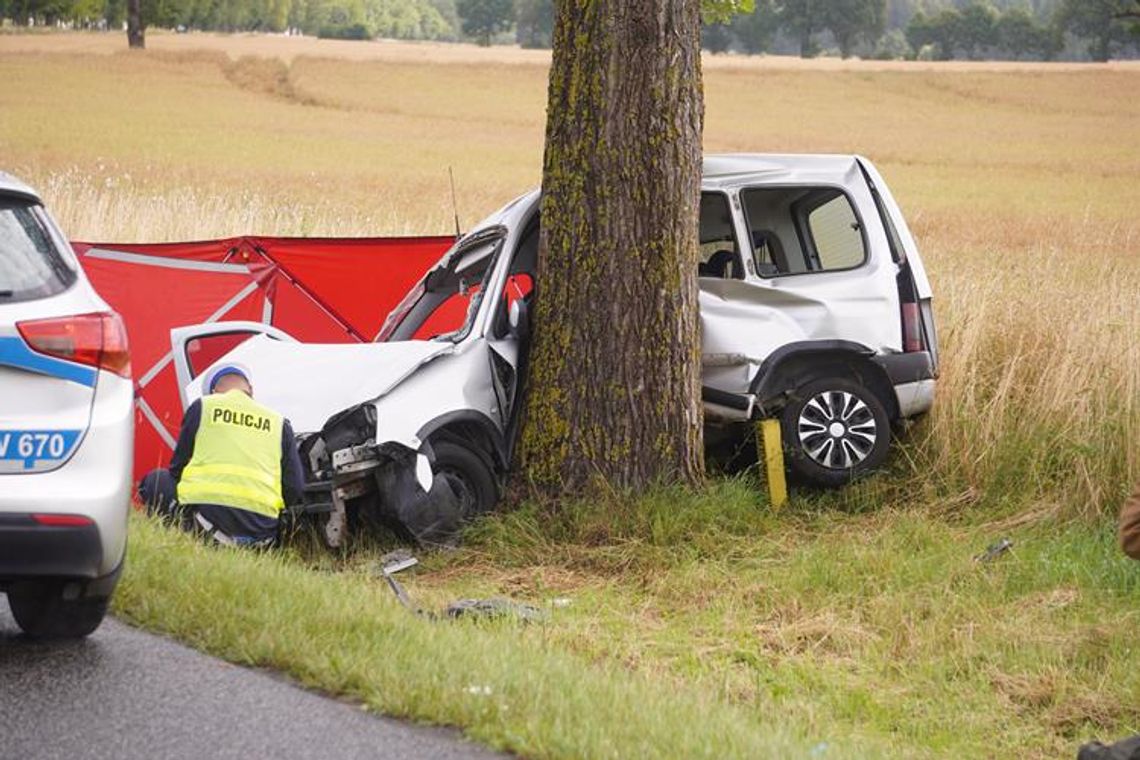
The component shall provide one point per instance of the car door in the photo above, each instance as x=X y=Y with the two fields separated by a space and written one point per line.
x=198 y=347
x=508 y=345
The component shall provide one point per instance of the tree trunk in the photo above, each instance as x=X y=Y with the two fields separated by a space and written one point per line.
x=135 y=30
x=613 y=395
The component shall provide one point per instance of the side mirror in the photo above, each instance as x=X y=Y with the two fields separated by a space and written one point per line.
x=519 y=320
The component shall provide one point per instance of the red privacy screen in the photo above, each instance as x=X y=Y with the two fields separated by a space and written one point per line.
x=320 y=290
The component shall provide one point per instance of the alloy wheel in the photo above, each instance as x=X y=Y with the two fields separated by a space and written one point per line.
x=837 y=429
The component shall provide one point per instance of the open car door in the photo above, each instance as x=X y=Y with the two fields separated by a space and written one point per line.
x=198 y=347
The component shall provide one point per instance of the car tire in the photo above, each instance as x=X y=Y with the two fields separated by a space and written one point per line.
x=42 y=612
x=835 y=430
x=469 y=475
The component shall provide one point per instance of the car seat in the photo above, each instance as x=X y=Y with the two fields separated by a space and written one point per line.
x=721 y=264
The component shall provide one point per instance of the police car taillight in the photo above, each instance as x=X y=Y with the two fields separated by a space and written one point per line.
x=63 y=521
x=98 y=340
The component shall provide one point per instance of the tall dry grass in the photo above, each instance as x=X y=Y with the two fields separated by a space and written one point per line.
x=1039 y=395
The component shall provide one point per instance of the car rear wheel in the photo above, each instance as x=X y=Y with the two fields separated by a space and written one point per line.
x=469 y=476
x=42 y=612
x=835 y=430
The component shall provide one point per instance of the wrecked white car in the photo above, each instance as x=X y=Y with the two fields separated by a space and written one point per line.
x=815 y=308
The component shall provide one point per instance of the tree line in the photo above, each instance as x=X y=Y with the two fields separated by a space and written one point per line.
x=933 y=29
x=908 y=29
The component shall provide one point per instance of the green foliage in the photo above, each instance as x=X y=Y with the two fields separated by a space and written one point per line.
x=756 y=31
x=716 y=38
x=979 y=30
x=483 y=19
x=977 y=27
x=345 y=19
x=1105 y=23
x=853 y=20
x=751 y=31
x=1019 y=34
x=894 y=29
x=534 y=23
x=893 y=46
x=722 y=11
x=347 y=31
x=803 y=20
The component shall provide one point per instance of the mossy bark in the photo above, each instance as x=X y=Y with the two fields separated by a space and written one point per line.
x=613 y=395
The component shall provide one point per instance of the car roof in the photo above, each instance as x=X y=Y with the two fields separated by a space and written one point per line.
x=9 y=185
x=731 y=169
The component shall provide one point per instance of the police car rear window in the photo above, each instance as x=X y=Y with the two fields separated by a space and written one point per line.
x=31 y=266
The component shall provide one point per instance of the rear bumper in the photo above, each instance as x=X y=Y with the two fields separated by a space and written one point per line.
x=31 y=550
x=915 y=398
x=95 y=483
x=907 y=368
x=913 y=377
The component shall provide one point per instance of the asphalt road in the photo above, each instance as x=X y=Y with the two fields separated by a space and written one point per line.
x=126 y=694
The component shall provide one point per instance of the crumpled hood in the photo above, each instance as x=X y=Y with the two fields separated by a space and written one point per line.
x=310 y=382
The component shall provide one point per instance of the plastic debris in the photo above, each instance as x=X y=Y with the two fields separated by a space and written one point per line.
x=994 y=550
x=497 y=608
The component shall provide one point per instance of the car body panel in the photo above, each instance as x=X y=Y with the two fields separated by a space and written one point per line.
x=454 y=382
x=41 y=392
x=310 y=382
x=97 y=480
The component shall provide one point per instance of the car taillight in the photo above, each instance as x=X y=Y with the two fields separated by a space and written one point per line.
x=98 y=340
x=912 y=333
x=63 y=521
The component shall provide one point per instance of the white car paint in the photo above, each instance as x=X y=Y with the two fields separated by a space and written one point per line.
x=309 y=383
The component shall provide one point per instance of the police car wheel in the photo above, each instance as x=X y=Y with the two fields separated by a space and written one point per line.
x=835 y=430
x=469 y=477
x=41 y=611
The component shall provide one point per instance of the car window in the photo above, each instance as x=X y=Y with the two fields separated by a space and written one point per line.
x=800 y=230
x=720 y=256
x=204 y=350
x=835 y=232
x=446 y=300
x=30 y=265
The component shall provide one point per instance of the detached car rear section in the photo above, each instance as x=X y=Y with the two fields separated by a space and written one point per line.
x=815 y=308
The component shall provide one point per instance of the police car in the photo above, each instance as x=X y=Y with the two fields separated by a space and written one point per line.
x=66 y=428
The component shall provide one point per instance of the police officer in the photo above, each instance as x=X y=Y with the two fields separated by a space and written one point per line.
x=235 y=466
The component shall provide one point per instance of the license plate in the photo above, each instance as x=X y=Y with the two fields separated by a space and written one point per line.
x=33 y=446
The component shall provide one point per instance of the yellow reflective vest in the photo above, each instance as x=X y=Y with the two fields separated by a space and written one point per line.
x=237 y=456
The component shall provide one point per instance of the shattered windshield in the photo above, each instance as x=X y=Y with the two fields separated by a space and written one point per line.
x=444 y=304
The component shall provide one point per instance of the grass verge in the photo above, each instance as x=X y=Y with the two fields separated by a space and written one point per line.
x=696 y=625
x=343 y=633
